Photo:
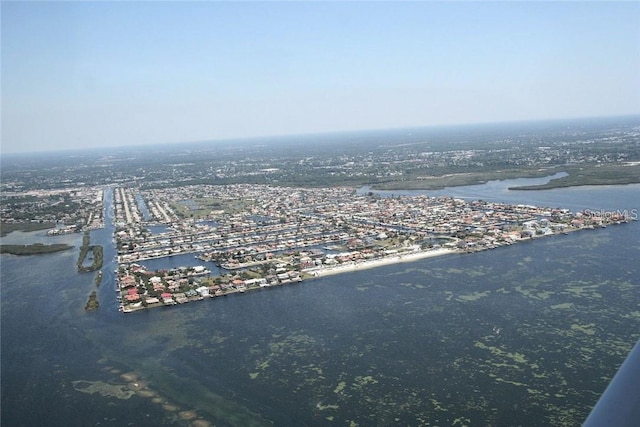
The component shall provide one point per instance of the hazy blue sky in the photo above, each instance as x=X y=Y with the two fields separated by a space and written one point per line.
x=118 y=73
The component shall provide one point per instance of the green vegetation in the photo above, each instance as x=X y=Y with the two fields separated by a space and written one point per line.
x=463 y=178
x=609 y=174
x=102 y=388
x=6 y=228
x=92 y=303
x=97 y=251
x=202 y=207
x=585 y=174
x=34 y=249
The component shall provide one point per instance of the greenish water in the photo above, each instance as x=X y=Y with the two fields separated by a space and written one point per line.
x=529 y=334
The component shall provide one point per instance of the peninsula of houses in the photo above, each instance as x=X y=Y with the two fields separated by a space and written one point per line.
x=258 y=236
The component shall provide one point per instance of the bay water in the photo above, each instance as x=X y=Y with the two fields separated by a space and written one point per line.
x=528 y=334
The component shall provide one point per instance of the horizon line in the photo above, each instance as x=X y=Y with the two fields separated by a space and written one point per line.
x=311 y=133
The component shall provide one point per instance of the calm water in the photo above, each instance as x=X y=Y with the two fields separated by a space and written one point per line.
x=522 y=335
x=183 y=260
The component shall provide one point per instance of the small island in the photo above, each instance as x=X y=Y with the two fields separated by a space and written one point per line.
x=96 y=251
x=92 y=303
x=34 y=249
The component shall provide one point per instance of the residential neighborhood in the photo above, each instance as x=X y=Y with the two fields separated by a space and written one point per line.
x=260 y=236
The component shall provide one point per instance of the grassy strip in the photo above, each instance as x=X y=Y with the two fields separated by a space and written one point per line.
x=34 y=249
x=460 y=179
x=208 y=204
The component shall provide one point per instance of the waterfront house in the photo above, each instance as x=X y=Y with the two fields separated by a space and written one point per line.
x=203 y=291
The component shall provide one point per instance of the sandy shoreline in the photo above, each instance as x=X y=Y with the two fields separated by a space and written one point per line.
x=389 y=260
